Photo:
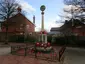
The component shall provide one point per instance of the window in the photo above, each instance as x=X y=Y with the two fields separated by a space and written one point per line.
x=21 y=24
x=21 y=33
x=27 y=26
x=30 y=33
x=20 y=28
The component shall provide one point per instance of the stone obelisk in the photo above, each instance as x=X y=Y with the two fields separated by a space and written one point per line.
x=42 y=8
x=43 y=38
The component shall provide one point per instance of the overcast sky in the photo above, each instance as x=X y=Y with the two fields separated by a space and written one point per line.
x=53 y=9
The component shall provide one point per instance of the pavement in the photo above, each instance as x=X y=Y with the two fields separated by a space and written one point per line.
x=5 y=50
x=74 y=56
x=13 y=59
x=7 y=58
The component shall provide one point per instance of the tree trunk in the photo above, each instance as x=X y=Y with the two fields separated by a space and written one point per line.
x=6 y=38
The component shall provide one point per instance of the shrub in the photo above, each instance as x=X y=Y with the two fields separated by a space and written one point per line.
x=59 y=40
x=12 y=38
x=21 y=38
x=31 y=38
x=49 y=38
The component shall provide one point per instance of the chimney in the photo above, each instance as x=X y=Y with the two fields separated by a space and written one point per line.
x=19 y=9
x=34 y=19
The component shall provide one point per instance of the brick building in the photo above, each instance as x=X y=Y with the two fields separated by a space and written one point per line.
x=17 y=25
x=78 y=29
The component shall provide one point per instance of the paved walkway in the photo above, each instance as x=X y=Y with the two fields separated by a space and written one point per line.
x=5 y=50
x=12 y=59
x=74 y=56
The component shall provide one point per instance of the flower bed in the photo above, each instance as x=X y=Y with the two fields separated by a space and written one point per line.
x=43 y=47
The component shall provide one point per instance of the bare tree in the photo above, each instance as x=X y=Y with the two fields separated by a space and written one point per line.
x=72 y=2
x=8 y=8
x=77 y=8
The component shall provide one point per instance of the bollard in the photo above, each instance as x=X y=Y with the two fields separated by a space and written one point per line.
x=61 y=52
x=35 y=51
x=25 y=51
x=11 y=49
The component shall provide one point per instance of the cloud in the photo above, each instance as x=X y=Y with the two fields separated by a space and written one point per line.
x=26 y=6
x=65 y=16
x=70 y=8
x=48 y=26
x=51 y=22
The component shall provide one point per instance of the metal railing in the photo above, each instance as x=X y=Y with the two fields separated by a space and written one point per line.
x=31 y=51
